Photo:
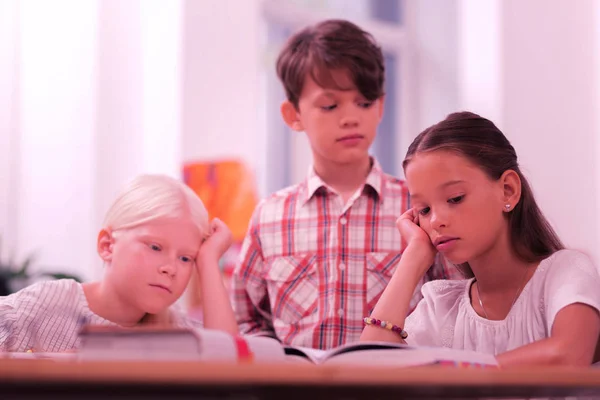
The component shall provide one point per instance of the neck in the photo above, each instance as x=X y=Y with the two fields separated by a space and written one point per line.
x=343 y=178
x=104 y=301
x=500 y=270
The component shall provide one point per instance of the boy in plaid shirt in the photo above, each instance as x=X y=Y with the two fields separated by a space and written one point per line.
x=318 y=255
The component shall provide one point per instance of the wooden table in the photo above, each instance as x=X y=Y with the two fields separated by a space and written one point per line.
x=29 y=379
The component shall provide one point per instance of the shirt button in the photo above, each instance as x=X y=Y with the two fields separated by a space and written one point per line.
x=342 y=266
x=340 y=312
x=343 y=220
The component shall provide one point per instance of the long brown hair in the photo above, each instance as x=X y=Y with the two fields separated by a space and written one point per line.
x=480 y=141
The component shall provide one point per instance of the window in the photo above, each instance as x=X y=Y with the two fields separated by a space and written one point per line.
x=288 y=157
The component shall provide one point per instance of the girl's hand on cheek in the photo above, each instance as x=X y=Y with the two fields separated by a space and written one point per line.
x=417 y=239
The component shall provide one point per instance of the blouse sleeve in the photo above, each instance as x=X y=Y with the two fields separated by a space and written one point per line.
x=37 y=316
x=572 y=278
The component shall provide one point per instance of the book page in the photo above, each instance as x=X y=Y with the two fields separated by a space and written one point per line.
x=407 y=356
x=318 y=356
x=384 y=353
x=315 y=356
x=382 y=357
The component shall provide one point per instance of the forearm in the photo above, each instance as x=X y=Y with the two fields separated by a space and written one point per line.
x=217 y=311
x=394 y=303
x=548 y=351
x=573 y=339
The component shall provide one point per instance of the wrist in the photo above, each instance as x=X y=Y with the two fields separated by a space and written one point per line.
x=420 y=250
x=416 y=259
x=207 y=259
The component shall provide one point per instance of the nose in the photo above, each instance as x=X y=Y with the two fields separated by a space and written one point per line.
x=438 y=219
x=349 y=118
x=167 y=269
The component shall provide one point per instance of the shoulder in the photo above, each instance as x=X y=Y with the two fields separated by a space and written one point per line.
x=569 y=262
x=394 y=183
x=42 y=299
x=272 y=207
x=564 y=278
x=394 y=194
x=42 y=314
x=46 y=293
x=566 y=272
x=285 y=194
x=393 y=187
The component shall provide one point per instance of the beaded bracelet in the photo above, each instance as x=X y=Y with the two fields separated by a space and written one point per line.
x=386 y=325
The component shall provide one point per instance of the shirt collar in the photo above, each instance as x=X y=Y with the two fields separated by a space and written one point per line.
x=374 y=180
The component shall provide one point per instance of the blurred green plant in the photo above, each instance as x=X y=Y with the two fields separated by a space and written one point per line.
x=15 y=276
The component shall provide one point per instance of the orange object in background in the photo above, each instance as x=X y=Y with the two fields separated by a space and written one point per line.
x=228 y=190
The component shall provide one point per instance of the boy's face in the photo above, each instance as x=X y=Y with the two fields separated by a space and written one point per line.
x=340 y=124
x=151 y=264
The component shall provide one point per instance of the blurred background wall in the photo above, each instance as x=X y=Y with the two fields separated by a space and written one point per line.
x=95 y=92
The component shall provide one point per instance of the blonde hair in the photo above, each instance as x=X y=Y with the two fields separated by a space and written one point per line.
x=151 y=197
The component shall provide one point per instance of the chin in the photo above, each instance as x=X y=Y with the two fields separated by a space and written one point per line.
x=353 y=158
x=156 y=308
x=456 y=258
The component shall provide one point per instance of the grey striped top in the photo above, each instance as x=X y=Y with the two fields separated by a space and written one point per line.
x=46 y=317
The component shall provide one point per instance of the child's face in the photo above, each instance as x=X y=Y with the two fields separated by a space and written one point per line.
x=456 y=201
x=151 y=264
x=340 y=124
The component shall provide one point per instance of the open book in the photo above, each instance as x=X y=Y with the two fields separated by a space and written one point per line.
x=391 y=354
x=174 y=344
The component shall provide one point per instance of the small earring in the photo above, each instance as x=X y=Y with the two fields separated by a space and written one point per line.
x=507 y=207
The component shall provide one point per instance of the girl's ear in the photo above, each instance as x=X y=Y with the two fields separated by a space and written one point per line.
x=105 y=245
x=511 y=189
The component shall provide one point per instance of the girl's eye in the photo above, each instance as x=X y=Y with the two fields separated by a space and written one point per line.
x=186 y=259
x=424 y=211
x=329 y=108
x=155 y=247
x=366 y=104
x=456 y=200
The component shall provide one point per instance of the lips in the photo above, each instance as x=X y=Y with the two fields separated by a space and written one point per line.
x=443 y=241
x=163 y=287
x=354 y=136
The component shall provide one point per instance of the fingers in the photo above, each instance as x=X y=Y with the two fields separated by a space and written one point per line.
x=410 y=215
x=218 y=227
x=214 y=226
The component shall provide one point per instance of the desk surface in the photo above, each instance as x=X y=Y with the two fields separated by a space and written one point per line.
x=65 y=379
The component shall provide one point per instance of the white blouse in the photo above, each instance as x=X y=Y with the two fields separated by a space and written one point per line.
x=445 y=316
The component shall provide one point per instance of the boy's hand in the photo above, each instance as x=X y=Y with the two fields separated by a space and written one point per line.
x=218 y=241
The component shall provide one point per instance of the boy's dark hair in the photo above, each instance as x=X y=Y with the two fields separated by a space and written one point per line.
x=331 y=45
x=480 y=141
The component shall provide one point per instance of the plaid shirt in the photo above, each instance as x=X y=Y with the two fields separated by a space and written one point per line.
x=312 y=267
